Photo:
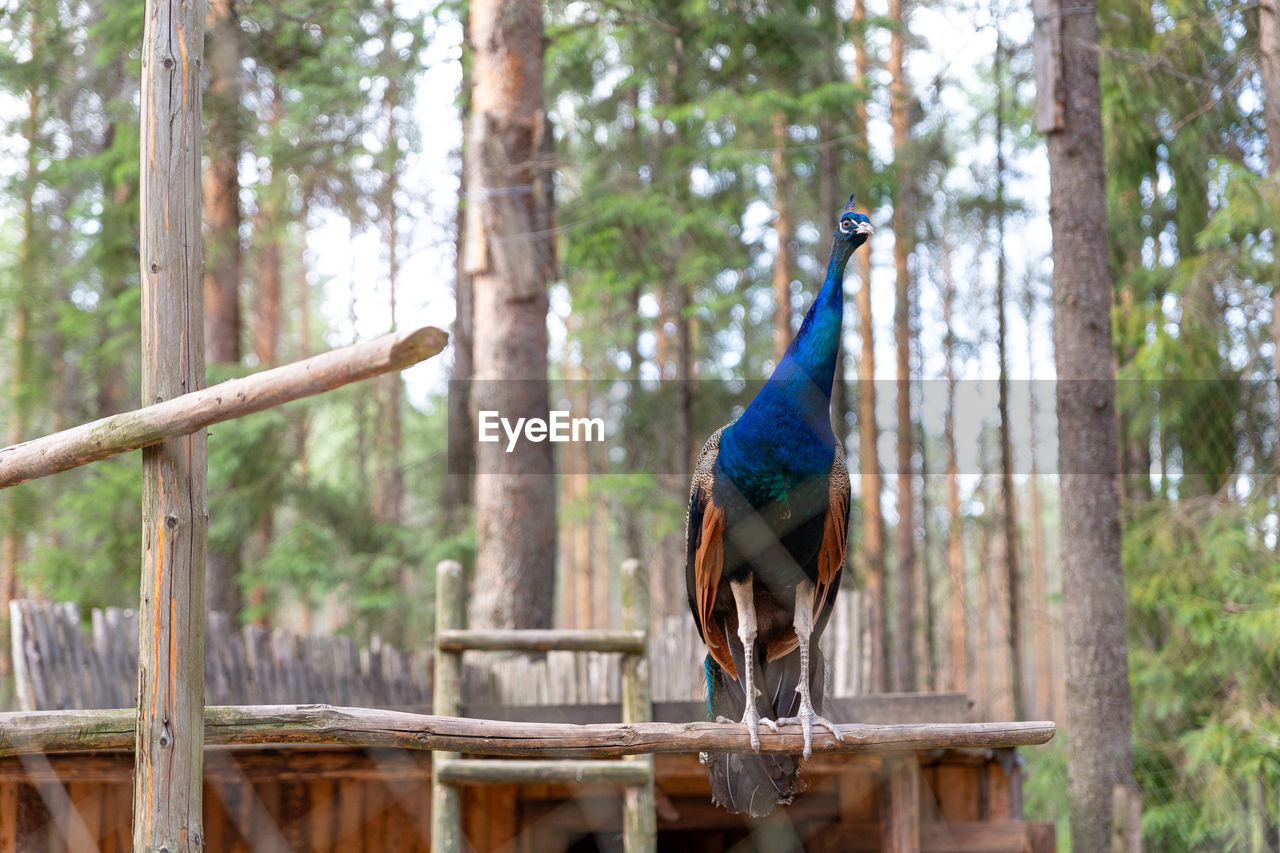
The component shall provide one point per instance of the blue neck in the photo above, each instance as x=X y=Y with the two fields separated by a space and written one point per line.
x=816 y=345
x=787 y=427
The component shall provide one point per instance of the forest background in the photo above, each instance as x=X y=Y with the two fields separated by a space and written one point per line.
x=691 y=156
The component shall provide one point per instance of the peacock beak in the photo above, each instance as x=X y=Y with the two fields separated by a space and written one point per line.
x=865 y=229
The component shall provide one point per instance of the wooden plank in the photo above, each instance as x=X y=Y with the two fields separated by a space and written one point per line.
x=374 y=828
x=999 y=793
x=966 y=836
x=217 y=822
x=515 y=771
x=446 y=819
x=321 y=819
x=8 y=817
x=948 y=837
x=640 y=823
x=294 y=807
x=18 y=642
x=502 y=815
x=957 y=792
x=169 y=742
x=350 y=808
x=86 y=800
x=857 y=793
x=116 y=814
x=900 y=806
x=81 y=731
x=541 y=640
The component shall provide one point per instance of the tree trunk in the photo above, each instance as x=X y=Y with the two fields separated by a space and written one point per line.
x=304 y=329
x=872 y=558
x=959 y=659
x=982 y=604
x=1041 y=642
x=11 y=546
x=783 y=266
x=1009 y=508
x=510 y=258
x=1269 y=43
x=459 y=481
x=1099 y=714
x=264 y=330
x=903 y=656
x=222 y=186
x=222 y=322
x=389 y=491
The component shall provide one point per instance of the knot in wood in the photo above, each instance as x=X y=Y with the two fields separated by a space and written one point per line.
x=170 y=521
x=168 y=62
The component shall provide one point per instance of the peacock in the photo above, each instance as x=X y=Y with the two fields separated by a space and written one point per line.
x=765 y=546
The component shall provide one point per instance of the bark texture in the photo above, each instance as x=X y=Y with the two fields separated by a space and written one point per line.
x=903 y=657
x=510 y=257
x=872 y=562
x=1099 y=713
x=169 y=746
x=222 y=317
x=783 y=265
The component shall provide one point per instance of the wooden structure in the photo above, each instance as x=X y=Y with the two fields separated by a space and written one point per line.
x=326 y=778
x=309 y=799
x=634 y=772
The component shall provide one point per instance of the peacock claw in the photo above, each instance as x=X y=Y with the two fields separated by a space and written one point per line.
x=807 y=719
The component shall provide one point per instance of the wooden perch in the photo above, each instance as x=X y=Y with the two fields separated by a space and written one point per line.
x=541 y=640
x=85 y=731
x=234 y=398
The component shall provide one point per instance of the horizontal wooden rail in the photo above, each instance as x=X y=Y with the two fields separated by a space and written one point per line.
x=234 y=398
x=541 y=640
x=85 y=731
x=515 y=771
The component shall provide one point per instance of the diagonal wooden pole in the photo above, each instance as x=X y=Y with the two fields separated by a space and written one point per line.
x=234 y=398
x=169 y=744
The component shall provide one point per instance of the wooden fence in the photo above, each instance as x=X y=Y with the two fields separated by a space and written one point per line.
x=63 y=662
x=676 y=674
x=58 y=665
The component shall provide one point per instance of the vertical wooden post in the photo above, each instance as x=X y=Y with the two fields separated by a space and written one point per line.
x=640 y=822
x=170 y=722
x=900 y=811
x=446 y=700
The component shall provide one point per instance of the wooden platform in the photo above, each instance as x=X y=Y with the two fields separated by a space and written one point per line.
x=346 y=799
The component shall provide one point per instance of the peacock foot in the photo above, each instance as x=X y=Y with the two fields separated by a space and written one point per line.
x=752 y=720
x=807 y=720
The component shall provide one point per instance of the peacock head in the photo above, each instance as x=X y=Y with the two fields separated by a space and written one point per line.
x=853 y=227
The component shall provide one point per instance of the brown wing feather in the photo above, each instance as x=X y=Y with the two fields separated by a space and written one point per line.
x=708 y=556
x=831 y=550
x=835 y=532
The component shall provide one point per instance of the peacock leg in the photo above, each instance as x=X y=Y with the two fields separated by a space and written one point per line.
x=808 y=718
x=744 y=598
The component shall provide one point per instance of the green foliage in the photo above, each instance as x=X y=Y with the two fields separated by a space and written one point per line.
x=1204 y=664
x=92 y=551
x=1046 y=786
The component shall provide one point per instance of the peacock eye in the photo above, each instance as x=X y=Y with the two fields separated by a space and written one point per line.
x=845 y=226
